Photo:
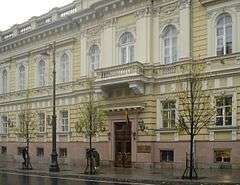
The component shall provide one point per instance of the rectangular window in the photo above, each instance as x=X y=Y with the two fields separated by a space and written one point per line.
x=19 y=150
x=166 y=155
x=224 y=111
x=222 y=155
x=40 y=152
x=63 y=152
x=41 y=122
x=64 y=121
x=168 y=114
x=4 y=125
x=3 y=150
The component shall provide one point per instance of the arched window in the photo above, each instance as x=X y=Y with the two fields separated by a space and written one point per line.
x=41 y=73
x=126 y=48
x=94 y=57
x=170 y=44
x=4 y=81
x=22 y=77
x=64 y=66
x=224 y=34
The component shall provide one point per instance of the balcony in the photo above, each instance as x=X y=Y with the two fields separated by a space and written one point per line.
x=132 y=74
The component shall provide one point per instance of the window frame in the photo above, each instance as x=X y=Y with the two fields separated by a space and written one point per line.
x=223 y=108
x=41 y=76
x=93 y=58
x=40 y=124
x=224 y=34
x=5 y=128
x=64 y=68
x=64 y=121
x=128 y=46
x=169 y=112
x=168 y=159
x=222 y=150
x=22 y=77
x=63 y=152
x=170 y=32
x=38 y=153
x=4 y=81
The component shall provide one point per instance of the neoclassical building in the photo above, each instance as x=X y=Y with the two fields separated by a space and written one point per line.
x=135 y=49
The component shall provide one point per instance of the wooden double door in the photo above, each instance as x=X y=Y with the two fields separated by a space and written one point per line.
x=123 y=144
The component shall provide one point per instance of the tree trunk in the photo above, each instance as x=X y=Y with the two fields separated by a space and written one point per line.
x=191 y=157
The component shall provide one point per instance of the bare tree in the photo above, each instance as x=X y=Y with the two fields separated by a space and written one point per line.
x=92 y=120
x=26 y=129
x=196 y=111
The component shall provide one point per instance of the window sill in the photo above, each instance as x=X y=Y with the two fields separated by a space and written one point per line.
x=62 y=133
x=167 y=162
x=167 y=130
x=222 y=128
x=41 y=134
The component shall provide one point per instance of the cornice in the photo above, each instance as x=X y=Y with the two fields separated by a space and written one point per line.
x=38 y=49
x=211 y=2
x=38 y=28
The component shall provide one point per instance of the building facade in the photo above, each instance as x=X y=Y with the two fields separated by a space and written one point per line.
x=135 y=49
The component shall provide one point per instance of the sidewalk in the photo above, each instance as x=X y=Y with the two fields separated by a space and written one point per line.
x=148 y=176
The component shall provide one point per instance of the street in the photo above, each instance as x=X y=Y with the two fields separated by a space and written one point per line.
x=23 y=179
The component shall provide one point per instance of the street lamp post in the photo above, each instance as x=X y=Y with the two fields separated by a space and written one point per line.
x=54 y=162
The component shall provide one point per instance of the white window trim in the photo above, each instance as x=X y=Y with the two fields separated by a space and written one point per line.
x=126 y=46
x=211 y=26
x=159 y=109
x=25 y=64
x=59 y=54
x=45 y=124
x=7 y=68
x=59 y=121
x=89 y=70
x=46 y=74
x=234 y=107
x=1 y=131
x=161 y=40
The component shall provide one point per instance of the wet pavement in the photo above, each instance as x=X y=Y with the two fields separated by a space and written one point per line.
x=112 y=175
x=25 y=179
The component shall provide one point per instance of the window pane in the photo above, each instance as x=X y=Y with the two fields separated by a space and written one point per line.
x=166 y=156
x=219 y=112
x=131 y=53
x=222 y=155
x=219 y=121
x=228 y=100
x=228 y=120
x=123 y=55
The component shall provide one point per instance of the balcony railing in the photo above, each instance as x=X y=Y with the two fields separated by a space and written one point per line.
x=131 y=69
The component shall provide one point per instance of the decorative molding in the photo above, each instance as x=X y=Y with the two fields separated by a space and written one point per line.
x=184 y=4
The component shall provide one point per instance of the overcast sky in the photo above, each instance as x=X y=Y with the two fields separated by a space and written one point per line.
x=18 y=11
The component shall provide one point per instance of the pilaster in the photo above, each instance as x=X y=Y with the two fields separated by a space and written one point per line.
x=184 y=37
x=143 y=35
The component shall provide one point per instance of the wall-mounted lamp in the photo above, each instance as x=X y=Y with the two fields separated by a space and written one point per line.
x=141 y=125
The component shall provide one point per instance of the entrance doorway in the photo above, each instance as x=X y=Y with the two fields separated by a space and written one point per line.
x=123 y=144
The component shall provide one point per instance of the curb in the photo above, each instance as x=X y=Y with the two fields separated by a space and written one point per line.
x=119 y=179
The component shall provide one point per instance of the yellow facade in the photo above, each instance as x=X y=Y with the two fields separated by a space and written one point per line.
x=139 y=83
